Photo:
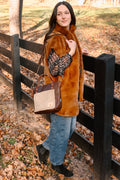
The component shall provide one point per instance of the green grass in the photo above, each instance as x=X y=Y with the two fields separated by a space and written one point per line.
x=12 y=141
x=98 y=16
x=86 y=16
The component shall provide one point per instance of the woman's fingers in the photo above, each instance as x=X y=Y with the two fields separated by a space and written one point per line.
x=85 y=51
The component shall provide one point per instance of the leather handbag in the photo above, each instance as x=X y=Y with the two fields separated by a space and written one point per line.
x=47 y=98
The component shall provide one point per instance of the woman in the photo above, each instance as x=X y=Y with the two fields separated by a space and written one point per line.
x=63 y=62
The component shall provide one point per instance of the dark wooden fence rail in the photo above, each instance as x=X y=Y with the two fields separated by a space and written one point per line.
x=105 y=104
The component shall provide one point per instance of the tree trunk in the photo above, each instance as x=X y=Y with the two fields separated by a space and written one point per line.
x=15 y=17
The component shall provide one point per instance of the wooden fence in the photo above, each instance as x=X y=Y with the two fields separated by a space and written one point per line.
x=106 y=71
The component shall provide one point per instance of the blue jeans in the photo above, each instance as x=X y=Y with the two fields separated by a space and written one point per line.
x=60 y=131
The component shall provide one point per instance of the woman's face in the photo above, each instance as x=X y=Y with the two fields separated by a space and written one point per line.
x=63 y=17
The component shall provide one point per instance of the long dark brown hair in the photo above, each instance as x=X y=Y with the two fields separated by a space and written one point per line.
x=52 y=21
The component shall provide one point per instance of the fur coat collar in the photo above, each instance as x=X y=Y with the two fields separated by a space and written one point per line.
x=69 y=35
x=64 y=30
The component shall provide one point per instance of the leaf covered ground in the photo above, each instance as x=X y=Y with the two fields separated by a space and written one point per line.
x=19 y=134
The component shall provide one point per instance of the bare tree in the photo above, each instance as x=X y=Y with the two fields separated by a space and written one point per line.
x=107 y=2
x=15 y=17
x=116 y=2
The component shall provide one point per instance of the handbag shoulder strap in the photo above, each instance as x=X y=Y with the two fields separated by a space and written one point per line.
x=42 y=56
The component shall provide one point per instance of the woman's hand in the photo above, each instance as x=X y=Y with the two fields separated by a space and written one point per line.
x=85 y=51
x=72 y=45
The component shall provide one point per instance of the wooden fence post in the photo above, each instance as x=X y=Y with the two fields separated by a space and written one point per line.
x=16 y=70
x=104 y=90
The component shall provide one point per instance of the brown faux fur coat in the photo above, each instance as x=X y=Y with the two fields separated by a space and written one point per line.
x=72 y=82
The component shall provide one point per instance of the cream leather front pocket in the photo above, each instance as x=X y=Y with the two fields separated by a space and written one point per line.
x=44 y=100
